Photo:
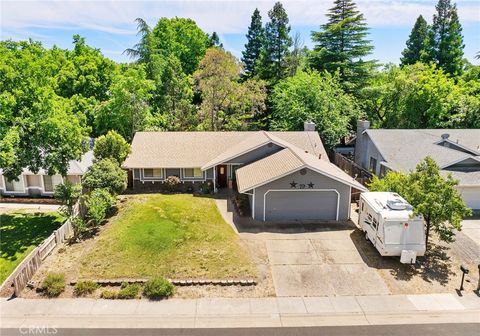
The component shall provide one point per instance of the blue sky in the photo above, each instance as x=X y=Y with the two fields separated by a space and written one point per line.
x=109 y=25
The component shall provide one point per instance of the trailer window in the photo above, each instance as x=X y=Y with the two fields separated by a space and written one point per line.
x=375 y=224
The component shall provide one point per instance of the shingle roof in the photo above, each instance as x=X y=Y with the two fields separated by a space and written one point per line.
x=403 y=149
x=196 y=149
x=285 y=162
x=74 y=167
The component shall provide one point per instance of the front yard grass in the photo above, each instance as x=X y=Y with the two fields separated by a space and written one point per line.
x=20 y=233
x=175 y=236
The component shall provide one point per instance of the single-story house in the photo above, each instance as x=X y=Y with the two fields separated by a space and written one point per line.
x=42 y=184
x=286 y=175
x=456 y=151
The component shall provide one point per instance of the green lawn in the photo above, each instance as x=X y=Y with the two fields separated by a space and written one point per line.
x=177 y=236
x=20 y=233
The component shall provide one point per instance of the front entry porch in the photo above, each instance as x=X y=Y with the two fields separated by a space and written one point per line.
x=224 y=176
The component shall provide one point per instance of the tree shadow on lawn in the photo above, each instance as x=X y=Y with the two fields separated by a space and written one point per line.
x=435 y=266
x=20 y=231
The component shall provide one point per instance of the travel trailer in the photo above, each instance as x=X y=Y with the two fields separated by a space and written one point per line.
x=389 y=223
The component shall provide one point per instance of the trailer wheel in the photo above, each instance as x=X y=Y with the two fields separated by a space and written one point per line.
x=366 y=237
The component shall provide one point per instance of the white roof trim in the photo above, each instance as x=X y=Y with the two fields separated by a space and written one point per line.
x=476 y=158
x=297 y=169
x=217 y=162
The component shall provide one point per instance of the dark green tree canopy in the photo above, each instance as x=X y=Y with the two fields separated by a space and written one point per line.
x=272 y=65
x=416 y=49
x=111 y=146
x=342 y=44
x=446 y=38
x=255 y=40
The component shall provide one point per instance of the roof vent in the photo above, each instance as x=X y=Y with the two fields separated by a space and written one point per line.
x=445 y=136
x=309 y=126
x=398 y=204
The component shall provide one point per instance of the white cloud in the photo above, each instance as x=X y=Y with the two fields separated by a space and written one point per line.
x=229 y=16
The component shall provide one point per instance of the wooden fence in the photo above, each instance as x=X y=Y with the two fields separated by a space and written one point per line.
x=24 y=272
x=354 y=170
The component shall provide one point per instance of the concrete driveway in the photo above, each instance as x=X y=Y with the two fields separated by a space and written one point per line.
x=471 y=228
x=322 y=263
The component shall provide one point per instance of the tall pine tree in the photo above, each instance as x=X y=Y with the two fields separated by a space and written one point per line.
x=446 y=38
x=341 y=45
x=417 y=42
x=255 y=38
x=272 y=63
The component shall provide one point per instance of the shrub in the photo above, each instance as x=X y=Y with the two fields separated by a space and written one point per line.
x=171 y=182
x=128 y=291
x=54 y=284
x=85 y=287
x=67 y=193
x=111 y=146
x=79 y=227
x=98 y=204
x=109 y=294
x=105 y=173
x=158 y=288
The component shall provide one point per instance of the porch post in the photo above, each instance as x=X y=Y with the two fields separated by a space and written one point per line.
x=214 y=179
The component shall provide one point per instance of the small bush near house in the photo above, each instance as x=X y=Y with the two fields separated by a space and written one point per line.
x=54 y=284
x=172 y=182
x=67 y=193
x=98 y=204
x=79 y=227
x=85 y=287
x=109 y=294
x=128 y=291
x=158 y=288
x=242 y=204
x=105 y=173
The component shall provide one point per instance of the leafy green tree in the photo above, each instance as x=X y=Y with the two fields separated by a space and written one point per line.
x=271 y=64
x=172 y=99
x=107 y=174
x=313 y=96
x=226 y=103
x=88 y=73
x=342 y=44
x=127 y=110
x=142 y=50
x=181 y=38
x=99 y=202
x=418 y=96
x=67 y=193
x=255 y=40
x=417 y=43
x=37 y=127
x=433 y=196
x=446 y=38
x=111 y=146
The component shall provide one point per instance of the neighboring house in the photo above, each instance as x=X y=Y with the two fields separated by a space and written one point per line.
x=42 y=184
x=287 y=175
x=456 y=151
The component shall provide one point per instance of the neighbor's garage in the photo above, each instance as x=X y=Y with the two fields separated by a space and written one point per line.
x=302 y=204
x=302 y=195
x=471 y=196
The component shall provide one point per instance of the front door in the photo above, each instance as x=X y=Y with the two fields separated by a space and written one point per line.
x=222 y=176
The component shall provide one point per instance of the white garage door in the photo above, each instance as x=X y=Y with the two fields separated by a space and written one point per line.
x=471 y=196
x=290 y=205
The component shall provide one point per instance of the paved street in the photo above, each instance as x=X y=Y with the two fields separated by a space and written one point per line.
x=381 y=330
x=471 y=228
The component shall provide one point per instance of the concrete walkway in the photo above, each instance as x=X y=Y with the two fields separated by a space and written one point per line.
x=249 y=312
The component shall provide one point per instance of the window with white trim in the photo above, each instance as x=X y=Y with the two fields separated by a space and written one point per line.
x=192 y=172
x=153 y=172
x=50 y=182
x=12 y=185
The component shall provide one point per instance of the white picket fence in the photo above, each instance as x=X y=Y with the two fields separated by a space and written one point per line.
x=24 y=272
